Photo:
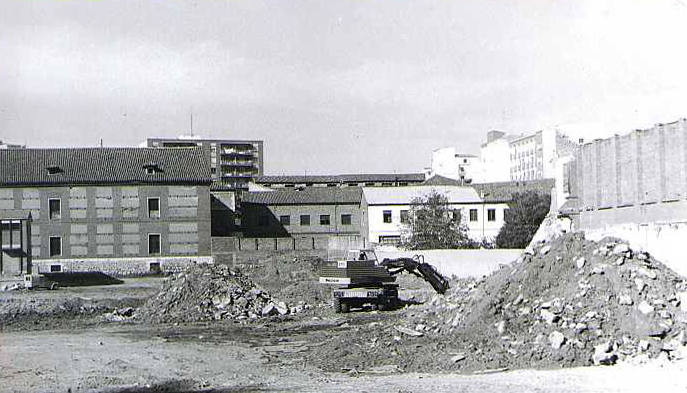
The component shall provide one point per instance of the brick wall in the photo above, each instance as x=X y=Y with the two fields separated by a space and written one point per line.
x=636 y=178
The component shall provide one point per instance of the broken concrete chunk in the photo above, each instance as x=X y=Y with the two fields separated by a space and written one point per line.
x=409 y=332
x=556 y=339
x=620 y=261
x=647 y=273
x=625 y=300
x=640 y=284
x=500 y=326
x=645 y=308
x=580 y=262
x=544 y=250
x=621 y=248
x=549 y=317
x=269 y=309
x=603 y=354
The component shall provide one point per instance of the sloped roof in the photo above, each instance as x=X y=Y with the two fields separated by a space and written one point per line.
x=404 y=195
x=308 y=196
x=103 y=166
x=503 y=191
x=438 y=180
x=350 y=178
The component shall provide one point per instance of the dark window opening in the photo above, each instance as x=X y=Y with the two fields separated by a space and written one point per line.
x=305 y=219
x=55 y=268
x=154 y=268
x=153 y=244
x=55 y=208
x=473 y=215
x=345 y=219
x=491 y=214
x=404 y=216
x=55 y=246
x=285 y=220
x=154 y=207
x=324 y=219
x=387 y=216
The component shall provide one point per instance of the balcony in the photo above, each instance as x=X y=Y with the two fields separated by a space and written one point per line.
x=245 y=164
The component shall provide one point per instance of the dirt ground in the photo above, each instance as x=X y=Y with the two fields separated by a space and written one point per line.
x=133 y=358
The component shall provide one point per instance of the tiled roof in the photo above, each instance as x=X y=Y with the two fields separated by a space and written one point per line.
x=103 y=166
x=438 y=180
x=405 y=195
x=308 y=196
x=351 y=178
x=503 y=191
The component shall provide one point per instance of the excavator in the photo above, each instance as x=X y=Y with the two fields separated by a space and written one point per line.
x=363 y=280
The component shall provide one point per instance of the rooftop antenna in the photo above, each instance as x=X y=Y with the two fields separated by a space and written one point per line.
x=191 y=122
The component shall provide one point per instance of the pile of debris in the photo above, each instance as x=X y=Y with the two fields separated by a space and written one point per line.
x=211 y=292
x=568 y=302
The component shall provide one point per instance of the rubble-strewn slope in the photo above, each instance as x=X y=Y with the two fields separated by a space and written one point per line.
x=210 y=292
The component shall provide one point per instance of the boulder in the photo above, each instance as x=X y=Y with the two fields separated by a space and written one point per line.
x=544 y=250
x=269 y=309
x=548 y=316
x=621 y=248
x=580 y=262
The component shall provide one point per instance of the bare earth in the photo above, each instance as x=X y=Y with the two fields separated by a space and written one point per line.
x=127 y=356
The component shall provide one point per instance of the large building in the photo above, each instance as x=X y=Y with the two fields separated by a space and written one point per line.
x=352 y=180
x=495 y=158
x=387 y=211
x=121 y=211
x=233 y=163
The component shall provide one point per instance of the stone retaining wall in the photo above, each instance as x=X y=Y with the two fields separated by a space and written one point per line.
x=119 y=267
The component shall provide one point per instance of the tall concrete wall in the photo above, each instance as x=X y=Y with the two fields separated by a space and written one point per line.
x=634 y=186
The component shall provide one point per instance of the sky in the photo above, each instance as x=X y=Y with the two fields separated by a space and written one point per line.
x=337 y=86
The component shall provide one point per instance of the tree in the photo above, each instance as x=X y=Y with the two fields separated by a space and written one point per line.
x=432 y=224
x=526 y=214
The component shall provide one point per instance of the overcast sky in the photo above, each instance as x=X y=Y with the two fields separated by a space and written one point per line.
x=337 y=86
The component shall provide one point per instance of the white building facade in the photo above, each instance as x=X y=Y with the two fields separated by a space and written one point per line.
x=388 y=209
x=457 y=166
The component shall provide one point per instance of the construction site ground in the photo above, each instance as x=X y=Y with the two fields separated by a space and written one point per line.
x=112 y=338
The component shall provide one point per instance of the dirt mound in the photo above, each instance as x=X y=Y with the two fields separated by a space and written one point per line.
x=211 y=292
x=573 y=302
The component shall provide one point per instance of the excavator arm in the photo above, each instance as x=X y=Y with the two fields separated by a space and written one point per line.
x=417 y=266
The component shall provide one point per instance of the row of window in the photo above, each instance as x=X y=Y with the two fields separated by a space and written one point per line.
x=325 y=219
x=153 y=245
x=386 y=215
x=55 y=208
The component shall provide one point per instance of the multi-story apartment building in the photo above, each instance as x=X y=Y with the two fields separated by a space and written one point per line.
x=121 y=211
x=233 y=163
x=354 y=180
x=534 y=156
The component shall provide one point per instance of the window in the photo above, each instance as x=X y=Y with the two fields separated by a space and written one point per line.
x=324 y=219
x=390 y=239
x=305 y=219
x=473 y=215
x=154 y=207
x=263 y=220
x=404 y=216
x=386 y=216
x=55 y=246
x=455 y=215
x=285 y=220
x=55 y=208
x=345 y=219
x=55 y=268
x=491 y=214
x=153 y=244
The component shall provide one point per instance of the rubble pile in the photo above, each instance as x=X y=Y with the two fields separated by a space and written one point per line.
x=211 y=292
x=568 y=302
